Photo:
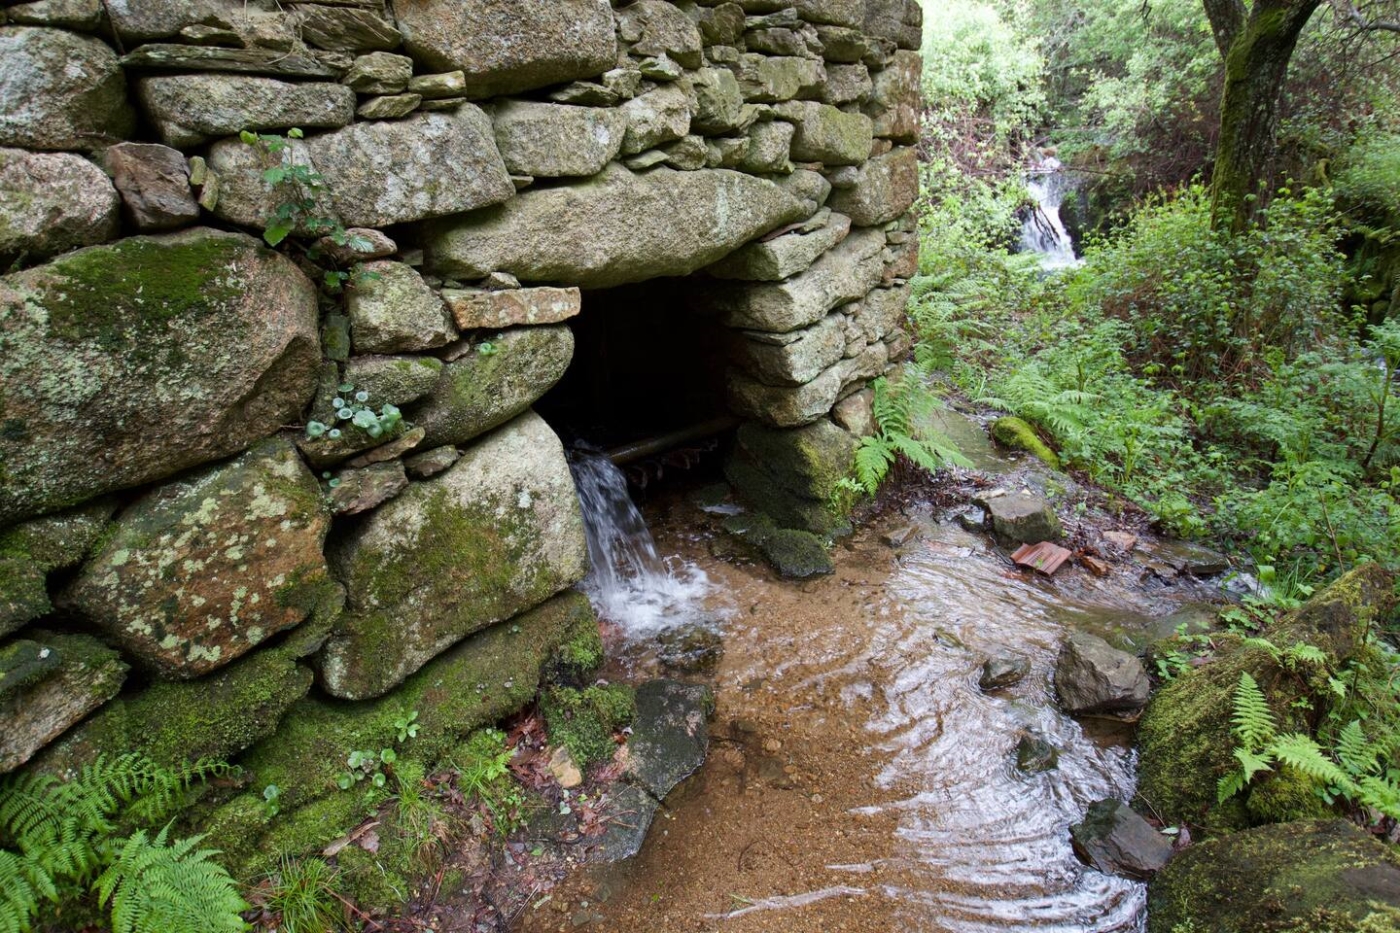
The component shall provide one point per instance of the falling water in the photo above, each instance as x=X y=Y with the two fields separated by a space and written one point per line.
x=1044 y=232
x=630 y=584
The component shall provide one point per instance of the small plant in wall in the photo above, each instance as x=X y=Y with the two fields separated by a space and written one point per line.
x=353 y=410
x=300 y=210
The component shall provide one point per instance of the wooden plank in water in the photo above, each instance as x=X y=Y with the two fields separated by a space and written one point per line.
x=1044 y=557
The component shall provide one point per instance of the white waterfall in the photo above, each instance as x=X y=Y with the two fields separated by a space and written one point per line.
x=1044 y=232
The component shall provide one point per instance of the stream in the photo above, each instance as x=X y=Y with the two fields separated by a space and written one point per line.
x=858 y=778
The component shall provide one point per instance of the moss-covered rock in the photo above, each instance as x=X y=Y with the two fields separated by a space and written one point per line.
x=201 y=570
x=584 y=720
x=127 y=363
x=790 y=474
x=172 y=723
x=1184 y=737
x=1315 y=876
x=397 y=380
x=794 y=554
x=1017 y=434
x=483 y=390
x=23 y=594
x=497 y=533
x=580 y=654
x=488 y=676
x=48 y=682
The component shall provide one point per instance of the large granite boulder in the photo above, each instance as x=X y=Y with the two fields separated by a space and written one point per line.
x=127 y=363
x=1322 y=875
x=201 y=570
x=499 y=532
x=557 y=140
x=481 y=391
x=48 y=682
x=394 y=311
x=376 y=173
x=616 y=228
x=189 y=110
x=655 y=27
x=508 y=46
x=51 y=202
x=60 y=90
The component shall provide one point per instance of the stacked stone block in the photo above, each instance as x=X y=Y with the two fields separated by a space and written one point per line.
x=161 y=503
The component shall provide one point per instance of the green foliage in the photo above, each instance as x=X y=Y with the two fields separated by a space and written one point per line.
x=162 y=887
x=975 y=61
x=303 y=896
x=584 y=721
x=352 y=409
x=60 y=843
x=483 y=775
x=1369 y=177
x=901 y=411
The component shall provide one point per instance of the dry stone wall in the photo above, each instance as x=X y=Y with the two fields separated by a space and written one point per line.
x=180 y=554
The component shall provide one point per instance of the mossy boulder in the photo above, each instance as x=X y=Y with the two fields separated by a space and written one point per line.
x=48 y=682
x=794 y=554
x=1017 y=434
x=1185 y=738
x=24 y=595
x=30 y=550
x=486 y=677
x=499 y=532
x=199 y=571
x=584 y=720
x=217 y=716
x=480 y=391
x=791 y=474
x=1311 y=876
x=124 y=364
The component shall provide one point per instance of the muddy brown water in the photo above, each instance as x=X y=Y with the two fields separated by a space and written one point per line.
x=858 y=778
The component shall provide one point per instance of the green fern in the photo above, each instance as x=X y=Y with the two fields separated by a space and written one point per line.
x=55 y=836
x=901 y=411
x=154 y=885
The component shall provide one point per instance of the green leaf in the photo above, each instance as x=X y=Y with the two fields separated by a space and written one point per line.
x=276 y=234
x=295 y=133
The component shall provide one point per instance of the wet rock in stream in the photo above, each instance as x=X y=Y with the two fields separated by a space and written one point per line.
x=1092 y=678
x=1002 y=672
x=691 y=650
x=1021 y=517
x=1035 y=755
x=1115 y=840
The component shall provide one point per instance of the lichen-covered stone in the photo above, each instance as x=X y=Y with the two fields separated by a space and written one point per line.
x=483 y=390
x=60 y=540
x=828 y=135
x=144 y=20
x=794 y=406
x=189 y=110
x=557 y=140
x=782 y=257
x=154 y=183
x=899 y=20
x=80 y=15
x=51 y=202
x=388 y=107
x=397 y=380
x=48 y=682
x=845 y=273
x=377 y=173
x=23 y=593
x=847 y=84
x=346 y=29
x=60 y=90
x=127 y=363
x=1313 y=875
x=173 y=723
x=767 y=79
x=361 y=488
x=795 y=358
x=719 y=105
x=658 y=116
x=616 y=228
x=881 y=190
x=379 y=73
x=655 y=27
x=770 y=148
x=497 y=533
x=895 y=99
x=474 y=309
x=392 y=310
x=201 y=570
x=1185 y=739
x=508 y=47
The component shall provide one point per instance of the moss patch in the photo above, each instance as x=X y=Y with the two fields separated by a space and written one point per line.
x=1277 y=878
x=583 y=721
x=23 y=593
x=792 y=553
x=1016 y=434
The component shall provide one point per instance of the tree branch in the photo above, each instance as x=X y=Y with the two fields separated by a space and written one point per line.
x=1226 y=20
x=1352 y=13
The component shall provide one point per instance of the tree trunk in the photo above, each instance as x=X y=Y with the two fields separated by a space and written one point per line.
x=1256 y=68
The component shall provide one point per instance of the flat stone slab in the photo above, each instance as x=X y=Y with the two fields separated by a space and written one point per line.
x=47 y=683
x=481 y=309
x=1115 y=840
x=670 y=734
x=247 y=61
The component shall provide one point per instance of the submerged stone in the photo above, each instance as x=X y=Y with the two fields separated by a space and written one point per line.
x=199 y=571
x=616 y=228
x=127 y=363
x=498 y=532
x=1116 y=841
x=791 y=474
x=670 y=735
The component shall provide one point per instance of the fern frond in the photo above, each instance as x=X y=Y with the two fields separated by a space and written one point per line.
x=157 y=887
x=1382 y=794
x=19 y=896
x=1355 y=752
x=1228 y=786
x=1303 y=754
x=1253 y=720
x=873 y=460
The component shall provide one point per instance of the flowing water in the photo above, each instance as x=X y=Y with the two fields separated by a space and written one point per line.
x=1043 y=231
x=859 y=779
